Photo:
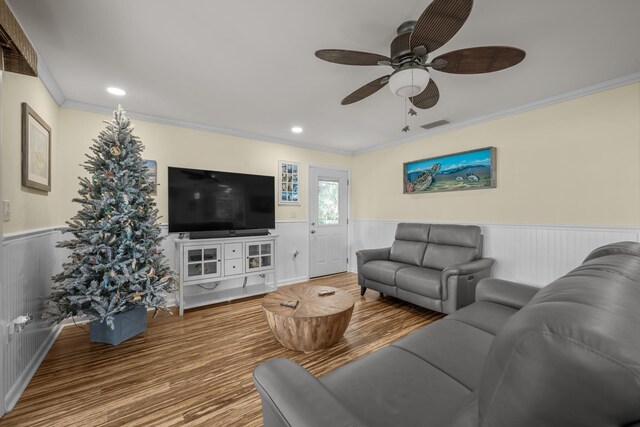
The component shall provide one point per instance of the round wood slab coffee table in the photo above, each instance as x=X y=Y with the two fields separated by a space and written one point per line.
x=317 y=322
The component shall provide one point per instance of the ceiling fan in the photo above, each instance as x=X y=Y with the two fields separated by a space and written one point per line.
x=440 y=21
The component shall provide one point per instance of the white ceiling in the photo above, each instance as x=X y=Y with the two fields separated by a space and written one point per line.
x=248 y=67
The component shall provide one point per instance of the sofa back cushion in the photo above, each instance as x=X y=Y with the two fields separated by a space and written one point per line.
x=410 y=243
x=407 y=252
x=413 y=232
x=571 y=356
x=452 y=244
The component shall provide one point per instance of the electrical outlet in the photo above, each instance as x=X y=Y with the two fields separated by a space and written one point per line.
x=6 y=210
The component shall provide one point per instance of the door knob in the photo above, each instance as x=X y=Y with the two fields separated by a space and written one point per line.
x=313 y=231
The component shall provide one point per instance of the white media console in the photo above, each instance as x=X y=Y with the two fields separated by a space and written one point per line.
x=224 y=269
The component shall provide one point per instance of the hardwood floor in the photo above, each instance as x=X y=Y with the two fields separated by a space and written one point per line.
x=194 y=370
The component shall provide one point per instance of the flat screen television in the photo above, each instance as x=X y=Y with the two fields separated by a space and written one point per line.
x=217 y=204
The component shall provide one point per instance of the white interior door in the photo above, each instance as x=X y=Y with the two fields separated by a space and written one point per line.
x=3 y=312
x=328 y=219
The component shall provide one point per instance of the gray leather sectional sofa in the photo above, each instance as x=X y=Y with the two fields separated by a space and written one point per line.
x=566 y=355
x=434 y=266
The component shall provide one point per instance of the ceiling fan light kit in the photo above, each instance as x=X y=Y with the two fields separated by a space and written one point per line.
x=414 y=41
x=409 y=81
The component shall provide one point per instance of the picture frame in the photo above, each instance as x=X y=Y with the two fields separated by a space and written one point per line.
x=465 y=170
x=36 y=150
x=152 y=165
x=288 y=183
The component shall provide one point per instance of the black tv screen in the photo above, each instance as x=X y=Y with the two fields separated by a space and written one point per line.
x=201 y=200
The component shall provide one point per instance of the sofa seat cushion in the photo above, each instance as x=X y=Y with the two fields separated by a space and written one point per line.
x=392 y=387
x=419 y=280
x=382 y=271
x=455 y=348
x=485 y=315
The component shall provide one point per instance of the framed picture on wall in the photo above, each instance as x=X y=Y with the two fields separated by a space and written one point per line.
x=152 y=165
x=468 y=170
x=288 y=183
x=36 y=150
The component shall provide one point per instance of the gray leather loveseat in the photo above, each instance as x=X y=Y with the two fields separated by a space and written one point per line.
x=434 y=266
x=567 y=355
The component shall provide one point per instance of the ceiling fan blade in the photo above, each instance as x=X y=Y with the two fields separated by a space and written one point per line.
x=428 y=97
x=351 y=57
x=440 y=21
x=366 y=90
x=476 y=60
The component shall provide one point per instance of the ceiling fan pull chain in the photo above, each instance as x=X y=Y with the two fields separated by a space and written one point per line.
x=406 y=126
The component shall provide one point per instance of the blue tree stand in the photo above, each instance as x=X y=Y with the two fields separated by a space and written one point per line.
x=125 y=325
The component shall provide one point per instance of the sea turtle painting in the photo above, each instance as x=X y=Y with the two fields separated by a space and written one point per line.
x=471 y=177
x=425 y=178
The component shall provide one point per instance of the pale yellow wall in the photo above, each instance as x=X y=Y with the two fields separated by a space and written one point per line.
x=182 y=147
x=29 y=208
x=576 y=162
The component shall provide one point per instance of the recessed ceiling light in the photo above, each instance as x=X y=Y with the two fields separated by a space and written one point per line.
x=296 y=129
x=116 y=91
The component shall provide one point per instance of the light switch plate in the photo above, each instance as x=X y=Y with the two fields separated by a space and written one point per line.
x=6 y=210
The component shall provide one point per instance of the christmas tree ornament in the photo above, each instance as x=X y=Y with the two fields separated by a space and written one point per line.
x=117 y=223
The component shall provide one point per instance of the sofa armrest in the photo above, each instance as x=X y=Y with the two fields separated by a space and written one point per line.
x=459 y=282
x=465 y=268
x=297 y=398
x=366 y=255
x=511 y=294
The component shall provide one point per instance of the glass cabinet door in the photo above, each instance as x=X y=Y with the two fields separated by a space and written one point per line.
x=259 y=256
x=201 y=262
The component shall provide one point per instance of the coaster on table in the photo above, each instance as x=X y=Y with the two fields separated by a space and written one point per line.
x=291 y=304
x=324 y=292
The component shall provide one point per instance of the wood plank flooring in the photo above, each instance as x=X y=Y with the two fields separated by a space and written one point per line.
x=194 y=370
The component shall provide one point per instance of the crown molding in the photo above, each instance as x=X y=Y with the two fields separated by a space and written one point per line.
x=566 y=96
x=76 y=105
x=54 y=89
x=50 y=82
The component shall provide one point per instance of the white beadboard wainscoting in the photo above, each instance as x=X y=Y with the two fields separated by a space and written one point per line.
x=534 y=254
x=531 y=254
x=30 y=259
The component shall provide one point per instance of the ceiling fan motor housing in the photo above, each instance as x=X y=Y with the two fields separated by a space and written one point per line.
x=400 y=45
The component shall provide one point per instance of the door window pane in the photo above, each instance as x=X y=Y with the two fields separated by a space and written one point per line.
x=328 y=202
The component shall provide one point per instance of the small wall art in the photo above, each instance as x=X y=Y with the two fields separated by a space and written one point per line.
x=36 y=150
x=152 y=165
x=288 y=183
x=468 y=170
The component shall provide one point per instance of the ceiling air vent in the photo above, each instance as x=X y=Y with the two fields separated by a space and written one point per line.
x=436 y=124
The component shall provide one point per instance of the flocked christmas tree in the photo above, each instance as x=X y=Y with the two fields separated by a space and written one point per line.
x=116 y=263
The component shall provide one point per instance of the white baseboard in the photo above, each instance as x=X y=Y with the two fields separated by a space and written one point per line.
x=23 y=381
x=293 y=280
